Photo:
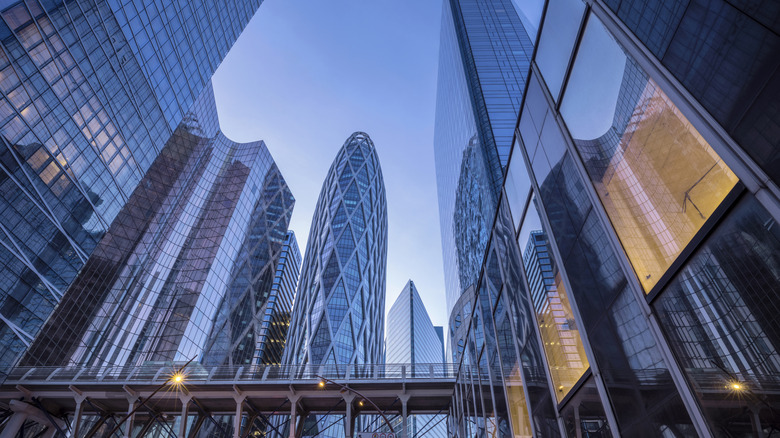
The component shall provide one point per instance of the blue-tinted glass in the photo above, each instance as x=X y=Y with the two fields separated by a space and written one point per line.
x=559 y=33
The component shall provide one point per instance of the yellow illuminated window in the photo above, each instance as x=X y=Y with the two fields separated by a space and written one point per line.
x=561 y=339
x=657 y=178
x=662 y=187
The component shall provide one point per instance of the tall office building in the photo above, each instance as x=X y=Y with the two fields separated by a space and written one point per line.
x=483 y=63
x=90 y=92
x=338 y=316
x=635 y=240
x=412 y=339
x=261 y=341
x=187 y=268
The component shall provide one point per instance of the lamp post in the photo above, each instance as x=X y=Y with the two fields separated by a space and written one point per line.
x=177 y=378
x=344 y=387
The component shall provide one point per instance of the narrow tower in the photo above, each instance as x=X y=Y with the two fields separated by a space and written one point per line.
x=338 y=316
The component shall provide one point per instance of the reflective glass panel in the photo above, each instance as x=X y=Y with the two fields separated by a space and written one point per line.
x=656 y=176
x=560 y=335
x=720 y=316
x=584 y=416
x=559 y=33
x=517 y=185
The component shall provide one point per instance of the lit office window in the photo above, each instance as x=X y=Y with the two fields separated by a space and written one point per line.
x=559 y=331
x=656 y=176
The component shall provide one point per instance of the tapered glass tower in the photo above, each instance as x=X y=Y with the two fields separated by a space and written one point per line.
x=412 y=339
x=338 y=317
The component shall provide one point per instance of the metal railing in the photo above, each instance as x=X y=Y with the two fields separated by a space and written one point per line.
x=196 y=372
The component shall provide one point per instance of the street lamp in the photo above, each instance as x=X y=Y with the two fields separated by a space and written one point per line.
x=323 y=381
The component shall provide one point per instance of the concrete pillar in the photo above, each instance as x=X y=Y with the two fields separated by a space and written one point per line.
x=293 y=408
x=77 y=414
x=14 y=424
x=185 y=405
x=404 y=417
x=348 y=425
x=131 y=404
x=239 y=413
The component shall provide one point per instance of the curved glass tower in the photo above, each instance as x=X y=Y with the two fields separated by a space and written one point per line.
x=338 y=316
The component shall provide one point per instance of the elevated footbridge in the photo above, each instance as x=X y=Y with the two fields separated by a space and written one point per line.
x=50 y=395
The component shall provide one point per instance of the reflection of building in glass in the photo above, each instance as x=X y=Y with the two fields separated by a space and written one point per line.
x=557 y=327
x=204 y=229
x=412 y=339
x=338 y=316
x=483 y=61
x=90 y=93
x=645 y=206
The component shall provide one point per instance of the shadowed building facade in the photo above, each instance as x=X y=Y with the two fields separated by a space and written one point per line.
x=90 y=92
x=338 y=316
x=186 y=270
x=630 y=281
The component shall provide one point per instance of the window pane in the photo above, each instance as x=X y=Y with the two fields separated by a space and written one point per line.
x=530 y=12
x=559 y=33
x=517 y=184
x=720 y=316
x=560 y=335
x=656 y=176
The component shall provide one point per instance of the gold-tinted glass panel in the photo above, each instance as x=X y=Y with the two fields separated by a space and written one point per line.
x=657 y=178
x=563 y=347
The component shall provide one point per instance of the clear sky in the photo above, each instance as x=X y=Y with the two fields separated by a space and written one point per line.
x=305 y=74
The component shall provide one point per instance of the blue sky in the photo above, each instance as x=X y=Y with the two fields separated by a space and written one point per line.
x=305 y=74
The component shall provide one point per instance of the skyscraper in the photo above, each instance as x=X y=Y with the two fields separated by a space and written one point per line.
x=412 y=339
x=338 y=316
x=483 y=61
x=186 y=269
x=90 y=92
x=272 y=311
x=630 y=280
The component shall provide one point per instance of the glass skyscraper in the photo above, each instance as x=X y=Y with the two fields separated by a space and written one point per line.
x=187 y=268
x=483 y=63
x=630 y=281
x=90 y=92
x=338 y=316
x=412 y=339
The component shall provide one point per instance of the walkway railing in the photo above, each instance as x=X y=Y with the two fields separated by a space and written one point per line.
x=195 y=372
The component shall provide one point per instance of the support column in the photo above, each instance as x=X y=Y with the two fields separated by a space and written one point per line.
x=239 y=413
x=293 y=408
x=79 y=398
x=348 y=426
x=14 y=424
x=404 y=400
x=131 y=403
x=185 y=405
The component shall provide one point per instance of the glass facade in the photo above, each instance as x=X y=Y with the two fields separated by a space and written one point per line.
x=412 y=339
x=640 y=278
x=162 y=279
x=339 y=313
x=90 y=92
x=483 y=61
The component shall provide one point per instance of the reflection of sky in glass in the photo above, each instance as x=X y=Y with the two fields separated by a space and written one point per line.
x=531 y=223
x=561 y=25
x=530 y=12
x=594 y=84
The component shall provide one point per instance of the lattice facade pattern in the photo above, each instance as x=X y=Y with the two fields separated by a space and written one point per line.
x=338 y=317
